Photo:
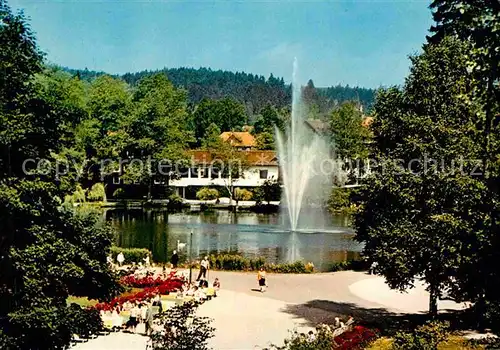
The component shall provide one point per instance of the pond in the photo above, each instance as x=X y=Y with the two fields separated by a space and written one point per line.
x=249 y=234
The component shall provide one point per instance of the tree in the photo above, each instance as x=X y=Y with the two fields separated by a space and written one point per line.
x=227 y=114
x=270 y=190
x=265 y=141
x=241 y=194
x=348 y=135
x=212 y=139
x=416 y=216
x=158 y=131
x=47 y=251
x=207 y=194
x=182 y=329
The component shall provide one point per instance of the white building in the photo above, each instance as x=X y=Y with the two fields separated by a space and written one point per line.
x=205 y=172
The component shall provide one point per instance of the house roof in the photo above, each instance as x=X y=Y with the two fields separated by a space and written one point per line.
x=318 y=126
x=239 y=138
x=367 y=121
x=253 y=157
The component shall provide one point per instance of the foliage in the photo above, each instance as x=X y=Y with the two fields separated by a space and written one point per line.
x=426 y=337
x=235 y=262
x=78 y=196
x=86 y=321
x=340 y=201
x=355 y=265
x=132 y=255
x=119 y=193
x=175 y=202
x=212 y=139
x=241 y=194
x=265 y=141
x=321 y=339
x=226 y=114
x=356 y=338
x=97 y=193
x=206 y=194
x=348 y=135
x=183 y=330
x=152 y=287
x=270 y=190
x=415 y=216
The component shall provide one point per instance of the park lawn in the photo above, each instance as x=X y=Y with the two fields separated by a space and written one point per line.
x=454 y=342
x=85 y=302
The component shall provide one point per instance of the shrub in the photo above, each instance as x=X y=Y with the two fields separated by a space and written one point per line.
x=131 y=254
x=174 y=202
x=76 y=197
x=236 y=262
x=206 y=194
x=321 y=339
x=242 y=194
x=183 y=329
x=356 y=338
x=119 y=193
x=426 y=337
x=96 y=193
x=85 y=321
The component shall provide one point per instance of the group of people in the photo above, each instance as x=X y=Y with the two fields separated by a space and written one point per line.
x=140 y=312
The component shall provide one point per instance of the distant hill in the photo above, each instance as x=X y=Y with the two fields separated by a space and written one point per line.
x=253 y=91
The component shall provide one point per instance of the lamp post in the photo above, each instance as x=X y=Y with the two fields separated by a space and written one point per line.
x=190 y=254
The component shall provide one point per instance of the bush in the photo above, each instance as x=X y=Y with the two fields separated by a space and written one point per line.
x=354 y=265
x=174 y=202
x=85 y=321
x=242 y=194
x=131 y=254
x=319 y=340
x=426 y=337
x=236 y=262
x=119 y=193
x=206 y=194
x=76 y=197
x=183 y=329
x=96 y=193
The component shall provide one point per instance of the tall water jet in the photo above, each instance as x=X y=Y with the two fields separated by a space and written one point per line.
x=302 y=154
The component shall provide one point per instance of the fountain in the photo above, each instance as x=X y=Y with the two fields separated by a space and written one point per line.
x=302 y=155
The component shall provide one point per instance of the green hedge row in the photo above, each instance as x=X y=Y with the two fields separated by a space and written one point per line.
x=235 y=262
x=131 y=254
x=355 y=265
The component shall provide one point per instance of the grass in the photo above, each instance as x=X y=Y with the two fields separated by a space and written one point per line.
x=85 y=302
x=82 y=301
x=454 y=342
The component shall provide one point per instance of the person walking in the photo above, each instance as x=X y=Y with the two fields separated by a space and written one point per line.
x=261 y=277
x=120 y=258
x=204 y=266
x=148 y=322
x=175 y=259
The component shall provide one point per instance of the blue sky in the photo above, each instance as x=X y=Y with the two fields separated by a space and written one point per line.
x=356 y=42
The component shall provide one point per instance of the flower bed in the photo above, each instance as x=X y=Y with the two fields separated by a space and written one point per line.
x=146 y=282
x=157 y=286
x=357 y=338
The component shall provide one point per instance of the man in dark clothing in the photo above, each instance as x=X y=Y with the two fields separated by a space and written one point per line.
x=175 y=259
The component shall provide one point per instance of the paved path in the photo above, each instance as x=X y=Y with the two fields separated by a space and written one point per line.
x=244 y=318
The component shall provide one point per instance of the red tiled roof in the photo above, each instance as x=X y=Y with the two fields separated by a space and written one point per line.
x=253 y=157
x=238 y=138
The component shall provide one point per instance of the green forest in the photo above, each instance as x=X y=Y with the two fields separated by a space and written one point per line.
x=254 y=92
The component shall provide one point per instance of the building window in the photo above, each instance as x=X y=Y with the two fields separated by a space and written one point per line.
x=263 y=174
x=116 y=180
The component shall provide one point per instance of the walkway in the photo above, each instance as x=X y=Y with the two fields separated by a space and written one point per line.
x=247 y=319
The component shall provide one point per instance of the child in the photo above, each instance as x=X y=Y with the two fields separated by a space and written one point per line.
x=261 y=277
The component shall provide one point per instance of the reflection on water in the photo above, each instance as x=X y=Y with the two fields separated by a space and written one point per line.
x=249 y=234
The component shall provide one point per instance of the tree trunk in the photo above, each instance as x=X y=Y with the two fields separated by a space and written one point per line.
x=433 y=310
x=150 y=189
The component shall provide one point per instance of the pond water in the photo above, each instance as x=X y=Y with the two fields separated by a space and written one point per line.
x=249 y=234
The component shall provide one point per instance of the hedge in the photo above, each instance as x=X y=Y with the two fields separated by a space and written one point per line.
x=131 y=254
x=235 y=262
